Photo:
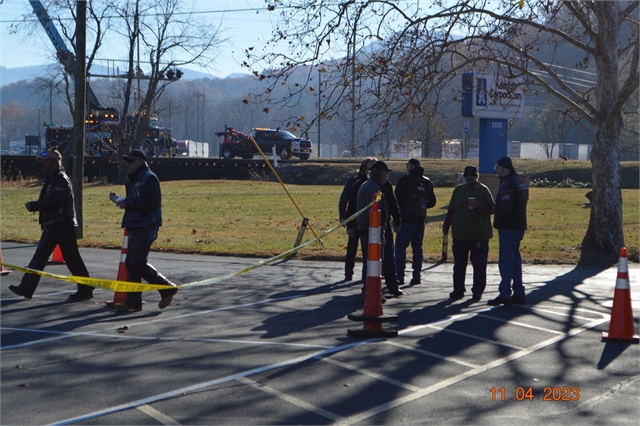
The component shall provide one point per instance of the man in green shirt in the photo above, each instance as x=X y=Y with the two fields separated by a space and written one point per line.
x=469 y=215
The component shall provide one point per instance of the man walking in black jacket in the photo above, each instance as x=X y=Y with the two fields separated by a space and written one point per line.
x=57 y=218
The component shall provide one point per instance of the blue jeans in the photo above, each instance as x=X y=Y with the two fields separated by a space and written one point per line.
x=478 y=251
x=510 y=263
x=410 y=233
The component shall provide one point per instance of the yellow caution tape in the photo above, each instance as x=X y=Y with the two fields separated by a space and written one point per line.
x=128 y=287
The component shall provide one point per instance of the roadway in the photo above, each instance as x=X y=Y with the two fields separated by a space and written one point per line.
x=270 y=347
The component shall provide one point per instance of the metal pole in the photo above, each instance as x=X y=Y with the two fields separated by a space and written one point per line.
x=353 y=92
x=79 y=123
x=319 y=109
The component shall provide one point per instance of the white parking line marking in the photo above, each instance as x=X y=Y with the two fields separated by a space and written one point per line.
x=361 y=417
x=290 y=399
x=156 y=415
x=472 y=336
x=447 y=358
x=366 y=372
x=192 y=388
x=521 y=324
x=66 y=335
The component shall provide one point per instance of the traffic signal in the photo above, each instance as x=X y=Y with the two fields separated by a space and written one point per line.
x=170 y=74
x=178 y=74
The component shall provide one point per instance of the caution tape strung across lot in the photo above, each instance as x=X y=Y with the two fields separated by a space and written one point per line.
x=128 y=287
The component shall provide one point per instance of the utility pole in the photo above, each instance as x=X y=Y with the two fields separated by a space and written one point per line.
x=80 y=111
x=353 y=91
x=319 y=109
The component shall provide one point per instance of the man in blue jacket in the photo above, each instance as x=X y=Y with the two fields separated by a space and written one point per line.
x=142 y=218
x=511 y=222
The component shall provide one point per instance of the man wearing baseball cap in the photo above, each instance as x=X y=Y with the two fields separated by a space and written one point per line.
x=469 y=214
x=142 y=219
x=379 y=181
x=511 y=222
x=57 y=218
x=415 y=195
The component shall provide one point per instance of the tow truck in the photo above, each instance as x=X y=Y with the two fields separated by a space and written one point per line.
x=238 y=144
x=101 y=120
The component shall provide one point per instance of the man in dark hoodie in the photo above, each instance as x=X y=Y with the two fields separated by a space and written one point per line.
x=378 y=181
x=347 y=207
x=415 y=195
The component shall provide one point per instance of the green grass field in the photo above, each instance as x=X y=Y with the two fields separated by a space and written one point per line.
x=252 y=218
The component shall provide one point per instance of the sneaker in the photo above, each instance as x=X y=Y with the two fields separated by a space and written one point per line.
x=415 y=281
x=166 y=301
x=396 y=292
x=476 y=298
x=125 y=307
x=499 y=301
x=20 y=292
x=518 y=300
x=79 y=297
x=456 y=296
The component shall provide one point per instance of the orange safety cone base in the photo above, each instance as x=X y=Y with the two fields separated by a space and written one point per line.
x=631 y=339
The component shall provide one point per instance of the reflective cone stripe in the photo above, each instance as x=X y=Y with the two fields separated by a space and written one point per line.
x=123 y=273
x=621 y=326
x=372 y=316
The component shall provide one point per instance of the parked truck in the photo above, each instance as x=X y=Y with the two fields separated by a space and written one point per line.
x=238 y=144
x=189 y=148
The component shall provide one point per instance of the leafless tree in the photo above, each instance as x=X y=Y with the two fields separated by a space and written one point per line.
x=533 y=39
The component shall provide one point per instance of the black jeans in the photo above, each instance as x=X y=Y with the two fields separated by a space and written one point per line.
x=478 y=252
x=352 y=251
x=140 y=240
x=66 y=239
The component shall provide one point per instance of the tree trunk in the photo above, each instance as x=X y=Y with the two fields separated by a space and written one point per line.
x=605 y=237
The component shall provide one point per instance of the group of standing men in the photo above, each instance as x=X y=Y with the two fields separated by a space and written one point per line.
x=407 y=207
x=468 y=216
x=57 y=217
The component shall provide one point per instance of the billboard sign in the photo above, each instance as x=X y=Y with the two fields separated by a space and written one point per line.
x=490 y=96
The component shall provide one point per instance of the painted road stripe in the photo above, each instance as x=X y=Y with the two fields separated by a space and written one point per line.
x=156 y=415
x=290 y=399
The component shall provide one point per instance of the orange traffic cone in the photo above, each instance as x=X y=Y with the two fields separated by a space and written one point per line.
x=3 y=271
x=372 y=316
x=123 y=273
x=57 y=258
x=621 y=325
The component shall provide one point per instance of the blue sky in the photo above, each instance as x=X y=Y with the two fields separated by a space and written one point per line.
x=242 y=25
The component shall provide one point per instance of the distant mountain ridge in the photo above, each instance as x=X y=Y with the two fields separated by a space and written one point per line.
x=13 y=75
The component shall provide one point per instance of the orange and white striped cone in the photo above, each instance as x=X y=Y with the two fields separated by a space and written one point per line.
x=621 y=326
x=123 y=274
x=3 y=271
x=372 y=316
x=56 y=258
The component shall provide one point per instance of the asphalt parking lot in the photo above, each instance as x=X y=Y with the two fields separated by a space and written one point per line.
x=270 y=347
